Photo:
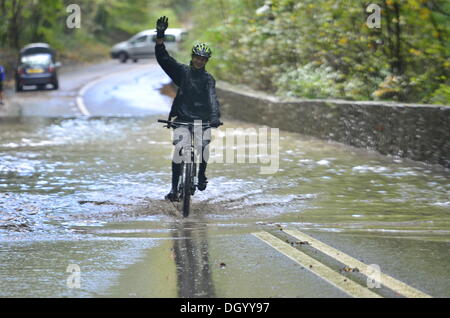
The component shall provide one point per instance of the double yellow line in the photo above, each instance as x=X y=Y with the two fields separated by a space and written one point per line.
x=341 y=282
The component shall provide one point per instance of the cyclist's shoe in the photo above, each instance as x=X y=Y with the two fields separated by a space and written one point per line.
x=172 y=196
x=202 y=183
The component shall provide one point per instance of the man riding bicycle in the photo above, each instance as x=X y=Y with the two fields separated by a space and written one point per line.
x=195 y=100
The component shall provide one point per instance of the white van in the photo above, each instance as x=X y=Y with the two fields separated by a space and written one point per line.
x=142 y=45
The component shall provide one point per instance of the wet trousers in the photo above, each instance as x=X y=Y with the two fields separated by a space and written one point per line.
x=201 y=143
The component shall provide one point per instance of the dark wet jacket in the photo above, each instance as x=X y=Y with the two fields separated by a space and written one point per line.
x=196 y=97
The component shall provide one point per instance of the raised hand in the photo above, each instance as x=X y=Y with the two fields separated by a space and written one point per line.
x=161 y=25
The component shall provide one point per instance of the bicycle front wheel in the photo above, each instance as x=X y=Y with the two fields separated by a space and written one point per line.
x=187 y=189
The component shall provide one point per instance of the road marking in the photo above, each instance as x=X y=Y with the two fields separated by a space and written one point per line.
x=82 y=107
x=79 y=100
x=385 y=279
x=343 y=283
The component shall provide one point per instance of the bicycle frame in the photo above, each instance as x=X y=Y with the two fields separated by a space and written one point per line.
x=187 y=183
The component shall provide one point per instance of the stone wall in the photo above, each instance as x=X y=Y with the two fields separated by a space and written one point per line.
x=418 y=132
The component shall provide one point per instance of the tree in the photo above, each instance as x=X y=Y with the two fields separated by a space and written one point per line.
x=326 y=45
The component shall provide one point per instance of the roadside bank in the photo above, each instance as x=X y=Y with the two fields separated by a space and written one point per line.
x=414 y=131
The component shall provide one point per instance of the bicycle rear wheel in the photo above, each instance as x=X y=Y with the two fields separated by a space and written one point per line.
x=187 y=189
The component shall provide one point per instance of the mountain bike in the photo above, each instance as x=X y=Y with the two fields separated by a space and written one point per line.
x=188 y=181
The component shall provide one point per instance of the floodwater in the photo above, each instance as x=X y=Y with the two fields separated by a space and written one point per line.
x=88 y=191
x=82 y=211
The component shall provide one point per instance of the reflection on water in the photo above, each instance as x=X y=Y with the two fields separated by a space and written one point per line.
x=190 y=248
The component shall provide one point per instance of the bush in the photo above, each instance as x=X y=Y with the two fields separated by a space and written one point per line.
x=441 y=96
x=309 y=82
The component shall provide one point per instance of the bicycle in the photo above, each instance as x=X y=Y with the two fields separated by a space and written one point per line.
x=187 y=183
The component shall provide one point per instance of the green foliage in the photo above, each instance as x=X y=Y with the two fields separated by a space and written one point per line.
x=441 y=95
x=308 y=81
x=324 y=48
x=103 y=22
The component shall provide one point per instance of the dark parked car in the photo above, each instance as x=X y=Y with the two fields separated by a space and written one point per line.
x=36 y=66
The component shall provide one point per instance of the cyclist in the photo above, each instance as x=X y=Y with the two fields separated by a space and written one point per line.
x=195 y=100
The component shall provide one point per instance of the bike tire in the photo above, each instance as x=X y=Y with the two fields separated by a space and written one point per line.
x=187 y=189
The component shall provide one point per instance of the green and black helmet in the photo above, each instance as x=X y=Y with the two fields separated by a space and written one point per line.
x=202 y=49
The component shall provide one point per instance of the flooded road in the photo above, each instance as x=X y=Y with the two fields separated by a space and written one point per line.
x=87 y=193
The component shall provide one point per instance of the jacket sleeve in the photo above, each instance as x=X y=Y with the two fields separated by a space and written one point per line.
x=173 y=110
x=214 y=102
x=172 y=68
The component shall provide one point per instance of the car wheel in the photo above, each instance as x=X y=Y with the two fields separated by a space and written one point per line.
x=123 y=57
x=135 y=60
x=55 y=85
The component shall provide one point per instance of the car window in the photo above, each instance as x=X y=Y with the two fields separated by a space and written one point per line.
x=36 y=59
x=141 y=39
x=167 y=38
x=183 y=36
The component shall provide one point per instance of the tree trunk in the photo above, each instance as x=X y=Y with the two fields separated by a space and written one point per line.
x=393 y=38
x=4 y=22
x=398 y=62
x=14 y=25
